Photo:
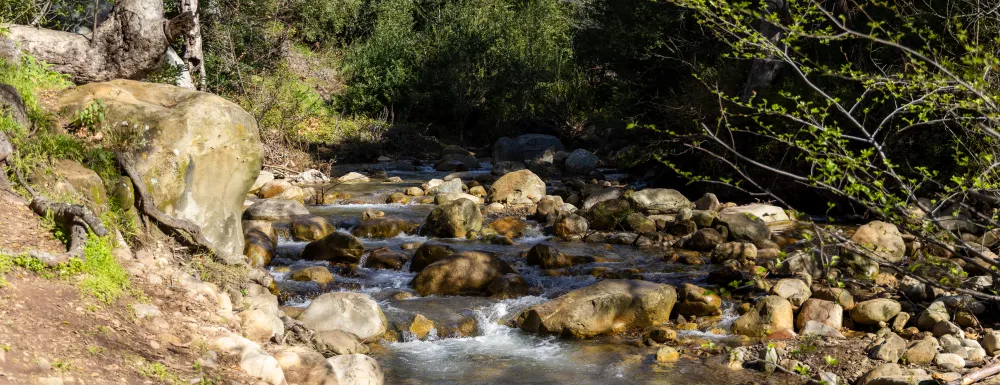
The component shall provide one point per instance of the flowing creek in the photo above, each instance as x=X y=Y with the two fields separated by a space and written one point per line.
x=495 y=353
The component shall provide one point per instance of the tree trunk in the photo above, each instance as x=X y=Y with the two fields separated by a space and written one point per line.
x=192 y=45
x=128 y=45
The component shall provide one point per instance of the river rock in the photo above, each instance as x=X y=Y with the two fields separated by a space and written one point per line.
x=571 y=226
x=581 y=162
x=921 y=352
x=882 y=238
x=259 y=325
x=507 y=150
x=609 y=215
x=386 y=259
x=456 y=162
x=873 y=311
x=356 y=369
x=517 y=187
x=888 y=347
x=274 y=210
x=819 y=329
x=743 y=228
x=696 y=301
x=607 y=307
x=639 y=223
x=339 y=342
x=532 y=146
x=819 y=310
x=708 y=202
x=253 y=360
x=508 y=286
x=738 y=251
x=453 y=149
x=444 y=198
x=794 y=290
x=311 y=228
x=771 y=314
x=667 y=354
x=659 y=200
x=949 y=361
x=351 y=312
x=451 y=186
x=836 y=295
x=936 y=312
x=259 y=247
x=428 y=253
x=337 y=248
x=202 y=152
x=766 y=213
x=454 y=219
x=509 y=227
x=382 y=228
x=547 y=257
x=464 y=272
x=304 y=366
x=318 y=274
x=353 y=177
x=600 y=195
x=888 y=370
x=991 y=341
x=706 y=239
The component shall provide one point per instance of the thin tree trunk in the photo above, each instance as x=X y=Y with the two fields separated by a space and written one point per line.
x=128 y=45
x=192 y=45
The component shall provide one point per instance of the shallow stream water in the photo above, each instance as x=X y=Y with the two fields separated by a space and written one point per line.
x=496 y=353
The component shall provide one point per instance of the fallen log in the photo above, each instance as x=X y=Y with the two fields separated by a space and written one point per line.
x=978 y=375
x=129 y=44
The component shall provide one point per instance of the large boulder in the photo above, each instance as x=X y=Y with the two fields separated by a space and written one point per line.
x=517 y=187
x=571 y=226
x=337 y=248
x=581 y=162
x=457 y=162
x=660 y=200
x=769 y=315
x=882 y=238
x=259 y=247
x=347 y=311
x=455 y=219
x=607 y=307
x=465 y=272
x=202 y=153
x=383 y=228
x=533 y=146
x=609 y=215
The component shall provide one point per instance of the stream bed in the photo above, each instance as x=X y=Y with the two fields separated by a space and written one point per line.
x=489 y=351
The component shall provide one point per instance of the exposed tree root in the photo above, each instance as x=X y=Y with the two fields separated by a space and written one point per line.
x=75 y=218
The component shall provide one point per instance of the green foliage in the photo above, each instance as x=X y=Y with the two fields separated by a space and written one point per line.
x=105 y=279
x=328 y=21
x=465 y=64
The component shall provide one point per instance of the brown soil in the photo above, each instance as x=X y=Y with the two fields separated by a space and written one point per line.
x=49 y=331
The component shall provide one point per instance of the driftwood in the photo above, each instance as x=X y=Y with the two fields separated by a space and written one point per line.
x=129 y=44
x=978 y=375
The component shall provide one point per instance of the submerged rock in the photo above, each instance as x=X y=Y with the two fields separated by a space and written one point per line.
x=318 y=274
x=607 y=307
